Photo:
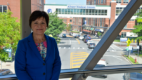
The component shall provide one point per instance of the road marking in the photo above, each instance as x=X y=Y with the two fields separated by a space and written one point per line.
x=112 y=47
x=73 y=47
x=64 y=47
x=70 y=41
x=118 y=58
x=118 y=47
x=78 y=41
x=114 y=57
x=77 y=59
x=78 y=48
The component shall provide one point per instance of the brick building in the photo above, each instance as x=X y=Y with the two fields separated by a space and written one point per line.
x=96 y=15
x=117 y=7
x=14 y=6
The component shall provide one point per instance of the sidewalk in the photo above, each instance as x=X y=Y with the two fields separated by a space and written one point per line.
x=134 y=56
x=139 y=59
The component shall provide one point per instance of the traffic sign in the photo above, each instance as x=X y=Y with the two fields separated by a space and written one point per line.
x=128 y=42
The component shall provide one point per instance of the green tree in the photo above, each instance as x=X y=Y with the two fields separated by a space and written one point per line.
x=138 y=27
x=9 y=34
x=55 y=27
x=68 y=28
x=99 y=33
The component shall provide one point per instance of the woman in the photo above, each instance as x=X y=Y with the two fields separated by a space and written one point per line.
x=37 y=56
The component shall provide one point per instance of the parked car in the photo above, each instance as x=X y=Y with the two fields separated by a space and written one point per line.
x=90 y=41
x=75 y=35
x=133 y=76
x=81 y=37
x=64 y=35
x=86 y=39
x=91 y=45
x=101 y=63
x=70 y=34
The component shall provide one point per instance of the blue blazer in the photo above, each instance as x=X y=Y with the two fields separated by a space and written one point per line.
x=29 y=64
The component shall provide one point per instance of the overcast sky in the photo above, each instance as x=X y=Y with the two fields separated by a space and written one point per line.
x=69 y=2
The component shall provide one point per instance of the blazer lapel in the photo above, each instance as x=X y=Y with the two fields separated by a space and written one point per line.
x=33 y=47
x=49 y=47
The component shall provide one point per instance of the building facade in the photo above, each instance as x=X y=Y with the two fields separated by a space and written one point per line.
x=14 y=6
x=117 y=6
x=98 y=14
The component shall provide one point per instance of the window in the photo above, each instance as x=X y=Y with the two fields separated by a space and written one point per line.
x=70 y=20
x=94 y=2
x=41 y=1
x=94 y=22
x=102 y=1
x=119 y=10
x=63 y=11
x=81 y=11
x=118 y=1
x=123 y=34
x=3 y=8
x=132 y=19
x=140 y=9
x=125 y=26
x=125 y=1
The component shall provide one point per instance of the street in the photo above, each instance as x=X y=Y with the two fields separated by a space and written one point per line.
x=113 y=56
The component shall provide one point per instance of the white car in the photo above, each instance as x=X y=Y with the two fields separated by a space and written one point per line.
x=81 y=37
x=101 y=63
x=90 y=41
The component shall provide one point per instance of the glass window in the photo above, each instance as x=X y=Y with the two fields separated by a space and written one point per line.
x=66 y=11
x=63 y=11
x=96 y=12
x=102 y=1
x=75 y=11
x=87 y=11
x=81 y=11
x=118 y=1
x=1 y=8
x=93 y=11
x=125 y=1
x=94 y=2
x=78 y=11
x=100 y=22
x=90 y=11
x=99 y=12
x=70 y=20
x=71 y=11
x=93 y=21
x=119 y=10
x=60 y=11
x=84 y=11
x=103 y=12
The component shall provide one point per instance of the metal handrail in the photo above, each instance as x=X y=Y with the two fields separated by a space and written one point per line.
x=69 y=73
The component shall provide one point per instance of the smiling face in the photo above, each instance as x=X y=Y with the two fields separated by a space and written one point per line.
x=39 y=26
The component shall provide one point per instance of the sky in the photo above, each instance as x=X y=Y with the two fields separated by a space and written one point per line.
x=69 y=2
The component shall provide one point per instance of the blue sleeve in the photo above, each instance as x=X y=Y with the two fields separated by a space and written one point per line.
x=57 y=64
x=20 y=63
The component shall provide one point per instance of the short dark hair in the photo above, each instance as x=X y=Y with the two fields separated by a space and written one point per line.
x=38 y=14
